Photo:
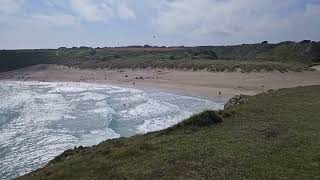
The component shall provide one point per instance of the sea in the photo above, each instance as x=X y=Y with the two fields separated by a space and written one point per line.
x=40 y=120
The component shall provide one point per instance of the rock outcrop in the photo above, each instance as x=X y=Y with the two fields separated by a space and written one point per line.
x=236 y=100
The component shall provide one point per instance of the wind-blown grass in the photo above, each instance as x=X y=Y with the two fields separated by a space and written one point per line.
x=275 y=135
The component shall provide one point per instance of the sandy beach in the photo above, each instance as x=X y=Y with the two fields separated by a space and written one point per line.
x=201 y=83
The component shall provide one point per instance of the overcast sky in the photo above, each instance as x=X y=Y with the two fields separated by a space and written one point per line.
x=55 y=23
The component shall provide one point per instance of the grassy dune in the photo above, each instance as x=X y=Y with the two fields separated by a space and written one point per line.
x=275 y=135
x=286 y=56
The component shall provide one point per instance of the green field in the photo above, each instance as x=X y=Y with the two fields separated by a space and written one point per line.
x=275 y=135
x=283 y=57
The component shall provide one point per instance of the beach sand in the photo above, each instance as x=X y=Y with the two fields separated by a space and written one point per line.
x=205 y=84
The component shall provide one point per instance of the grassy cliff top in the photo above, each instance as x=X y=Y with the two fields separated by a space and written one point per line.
x=272 y=135
x=285 y=56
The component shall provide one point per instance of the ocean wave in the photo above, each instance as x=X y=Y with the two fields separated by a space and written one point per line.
x=42 y=119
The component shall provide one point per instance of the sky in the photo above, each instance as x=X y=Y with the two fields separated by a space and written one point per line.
x=26 y=24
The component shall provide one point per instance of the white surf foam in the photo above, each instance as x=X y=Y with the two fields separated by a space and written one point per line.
x=43 y=119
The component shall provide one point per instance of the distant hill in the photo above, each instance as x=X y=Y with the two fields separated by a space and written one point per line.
x=304 y=52
x=247 y=57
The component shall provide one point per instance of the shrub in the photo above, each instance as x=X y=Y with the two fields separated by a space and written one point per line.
x=171 y=57
x=305 y=41
x=92 y=52
x=205 y=118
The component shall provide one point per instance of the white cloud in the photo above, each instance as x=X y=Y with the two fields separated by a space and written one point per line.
x=92 y=11
x=225 y=18
x=313 y=10
x=55 y=19
x=101 y=11
x=10 y=6
x=124 y=12
x=27 y=23
x=63 y=13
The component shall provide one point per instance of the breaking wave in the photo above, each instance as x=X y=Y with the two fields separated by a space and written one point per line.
x=40 y=120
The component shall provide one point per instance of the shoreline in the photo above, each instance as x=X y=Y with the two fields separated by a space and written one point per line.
x=201 y=84
x=142 y=88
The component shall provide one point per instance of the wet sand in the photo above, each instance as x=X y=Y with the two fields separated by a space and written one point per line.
x=201 y=83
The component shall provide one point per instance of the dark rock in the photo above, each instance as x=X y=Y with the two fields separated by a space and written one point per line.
x=237 y=100
x=270 y=91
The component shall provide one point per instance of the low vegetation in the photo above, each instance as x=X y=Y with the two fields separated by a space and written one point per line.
x=273 y=135
x=283 y=57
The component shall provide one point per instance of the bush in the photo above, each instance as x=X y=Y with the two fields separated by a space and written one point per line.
x=205 y=118
x=202 y=53
x=92 y=52
x=305 y=41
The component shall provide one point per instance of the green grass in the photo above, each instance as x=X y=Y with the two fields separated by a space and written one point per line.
x=281 y=57
x=275 y=135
